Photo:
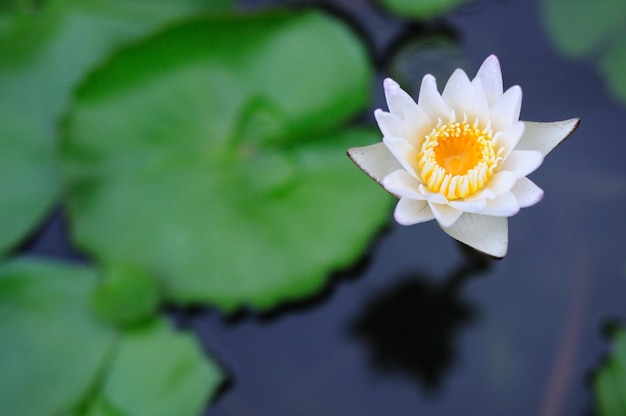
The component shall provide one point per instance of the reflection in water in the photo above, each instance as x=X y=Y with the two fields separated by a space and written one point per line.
x=410 y=330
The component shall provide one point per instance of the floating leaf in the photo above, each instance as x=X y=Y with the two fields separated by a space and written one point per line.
x=602 y=20
x=210 y=156
x=102 y=408
x=610 y=382
x=28 y=180
x=613 y=67
x=127 y=296
x=603 y=39
x=421 y=9
x=157 y=371
x=44 y=51
x=50 y=342
x=53 y=345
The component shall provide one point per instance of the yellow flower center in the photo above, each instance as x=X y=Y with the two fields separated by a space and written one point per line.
x=457 y=158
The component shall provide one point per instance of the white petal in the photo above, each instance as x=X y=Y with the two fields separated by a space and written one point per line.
x=375 y=160
x=402 y=184
x=458 y=92
x=417 y=125
x=409 y=211
x=469 y=206
x=403 y=151
x=523 y=162
x=445 y=214
x=500 y=183
x=431 y=102
x=546 y=136
x=389 y=124
x=465 y=97
x=479 y=107
x=434 y=197
x=527 y=193
x=405 y=119
x=397 y=99
x=509 y=138
x=504 y=205
x=484 y=233
x=490 y=76
x=505 y=111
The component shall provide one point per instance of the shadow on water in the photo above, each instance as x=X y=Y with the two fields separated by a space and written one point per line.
x=410 y=329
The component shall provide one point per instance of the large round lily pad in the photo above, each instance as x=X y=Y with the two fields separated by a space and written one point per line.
x=51 y=346
x=28 y=178
x=212 y=156
x=44 y=50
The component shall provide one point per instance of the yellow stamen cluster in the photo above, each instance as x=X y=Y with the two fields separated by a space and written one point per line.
x=457 y=158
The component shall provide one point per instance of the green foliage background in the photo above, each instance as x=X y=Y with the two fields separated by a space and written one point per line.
x=200 y=157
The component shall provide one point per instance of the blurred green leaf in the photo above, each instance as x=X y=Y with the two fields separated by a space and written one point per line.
x=102 y=408
x=44 y=51
x=210 y=156
x=28 y=179
x=602 y=21
x=613 y=67
x=602 y=38
x=10 y=8
x=157 y=371
x=610 y=382
x=51 y=347
x=127 y=296
x=421 y=9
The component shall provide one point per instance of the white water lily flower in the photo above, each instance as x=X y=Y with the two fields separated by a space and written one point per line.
x=460 y=157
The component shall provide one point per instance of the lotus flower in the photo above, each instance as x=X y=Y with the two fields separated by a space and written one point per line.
x=460 y=157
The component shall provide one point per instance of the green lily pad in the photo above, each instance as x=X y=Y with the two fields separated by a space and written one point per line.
x=51 y=345
x=157 y=371
x=421 y=9
x=54 y=346
x=27 y=174
x=610 y=382
x=613 y=67
x=211 y=156
x=101 y=407
x=44 y=51
x=603 y=39
x=126 y=297
x=603 y=20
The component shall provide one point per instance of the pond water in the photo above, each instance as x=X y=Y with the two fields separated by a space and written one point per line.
x=421 y=326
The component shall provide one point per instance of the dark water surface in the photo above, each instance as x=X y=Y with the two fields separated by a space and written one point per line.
x=422 y=328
